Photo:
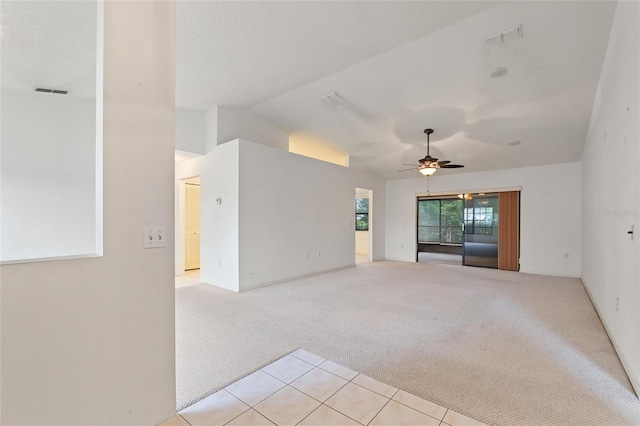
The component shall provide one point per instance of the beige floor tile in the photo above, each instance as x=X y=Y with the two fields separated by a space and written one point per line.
x=374 y=385
x=288 y=368
x=338 y=370
x=319 y=384
x=287 y=406
x=255 y=387
x=420 y=404
x=357 y=403
x=325 y=416
x=396 y=414
x=250 y=418
x=176 y=420
x=308 y=357
x=216 y=409
x=456 y=419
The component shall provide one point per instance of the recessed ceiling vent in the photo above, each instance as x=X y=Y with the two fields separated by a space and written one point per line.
x=47 y=90
x=332 y=98
x=504 y=36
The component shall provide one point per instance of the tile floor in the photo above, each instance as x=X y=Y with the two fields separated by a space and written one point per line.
x=306 y=390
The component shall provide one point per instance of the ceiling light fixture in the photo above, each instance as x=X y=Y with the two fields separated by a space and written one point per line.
x=429 y=165
x=498 y=72
x=427 y=170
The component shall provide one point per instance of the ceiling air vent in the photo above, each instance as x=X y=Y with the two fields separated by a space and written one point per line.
x=47 y=90
x=504 y=36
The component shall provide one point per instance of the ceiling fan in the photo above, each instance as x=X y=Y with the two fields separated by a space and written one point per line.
x=429 y=165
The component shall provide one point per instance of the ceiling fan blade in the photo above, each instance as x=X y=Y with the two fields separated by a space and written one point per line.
x=443 y=162
x=414 y=165
x=452 y=166
x=406 y=170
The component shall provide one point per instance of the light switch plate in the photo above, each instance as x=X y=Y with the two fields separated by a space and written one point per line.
x=154 y=237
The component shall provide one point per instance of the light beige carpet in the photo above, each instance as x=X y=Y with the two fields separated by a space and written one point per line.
x=505 y=348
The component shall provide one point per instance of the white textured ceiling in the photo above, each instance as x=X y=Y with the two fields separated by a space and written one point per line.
x=49 y=44
x=241 y=53
x=442 y=81
x=399 y=67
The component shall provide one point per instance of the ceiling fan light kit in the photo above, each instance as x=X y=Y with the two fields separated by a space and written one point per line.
x=429 y=165
x=427 y=171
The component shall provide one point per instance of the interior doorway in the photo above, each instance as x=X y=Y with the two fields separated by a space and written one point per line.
x=363 y=225
x=192 y=225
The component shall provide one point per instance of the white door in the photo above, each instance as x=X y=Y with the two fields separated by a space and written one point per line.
x=192 y=234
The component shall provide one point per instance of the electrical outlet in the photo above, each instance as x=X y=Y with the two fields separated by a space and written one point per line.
x=154 y=237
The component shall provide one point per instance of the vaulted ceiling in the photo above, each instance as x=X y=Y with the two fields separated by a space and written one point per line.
x=400 y=67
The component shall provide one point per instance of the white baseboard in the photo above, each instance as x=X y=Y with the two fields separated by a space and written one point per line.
x=551 y=273
x=625 y=364
x=296 y=277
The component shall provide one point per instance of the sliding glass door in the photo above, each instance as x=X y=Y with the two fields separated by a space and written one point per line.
x=480 y=245
x=470 y=229
x=439 y=236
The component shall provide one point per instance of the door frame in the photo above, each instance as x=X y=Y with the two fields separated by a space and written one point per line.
x=454 y=193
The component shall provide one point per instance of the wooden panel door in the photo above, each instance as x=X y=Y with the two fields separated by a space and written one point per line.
x=509 y=231
x=192 y=219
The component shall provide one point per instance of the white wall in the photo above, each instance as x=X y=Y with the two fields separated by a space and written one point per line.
x=184 y=170
x=549 y=216
x=190 y=130
x=48 y=191
x=223 y=124
x=92 y=341
x=238 y=123
x=610 y=195
x=219 y=244
x=362 y=242
x=297 y=215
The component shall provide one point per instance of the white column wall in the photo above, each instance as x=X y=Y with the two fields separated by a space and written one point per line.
x=297 y=215
x=549 y=213
x=219 y=245
x=610 y=192
x=92 y=341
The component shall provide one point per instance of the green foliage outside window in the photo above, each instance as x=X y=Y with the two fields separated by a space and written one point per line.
x=440 y=221
x=362 y=214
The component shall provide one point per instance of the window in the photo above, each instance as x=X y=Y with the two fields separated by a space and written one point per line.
x=362 y=214
x=440 y=221
x=479 y=220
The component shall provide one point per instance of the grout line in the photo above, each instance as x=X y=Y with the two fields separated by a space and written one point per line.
x=184 y=419
x=242 y=402
x=377 y=393
x=314 y=410
x=266 y=372
x=340 y=412
x=421 y=412
x=260 y=414
x=374 y=417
